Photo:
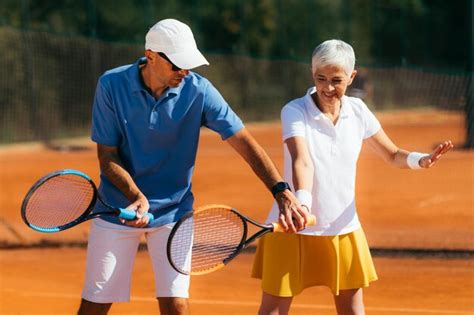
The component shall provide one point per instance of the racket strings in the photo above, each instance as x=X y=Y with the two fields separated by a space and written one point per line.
x=59 y=201
x=214 y=234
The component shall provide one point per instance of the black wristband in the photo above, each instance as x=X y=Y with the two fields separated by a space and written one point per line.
x=279 y=187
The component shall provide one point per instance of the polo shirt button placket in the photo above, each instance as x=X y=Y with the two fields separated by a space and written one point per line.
x=153 y=118
x=333 y=141
x=334 y=146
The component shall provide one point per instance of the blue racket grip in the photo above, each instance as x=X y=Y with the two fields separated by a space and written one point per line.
x=132 y=215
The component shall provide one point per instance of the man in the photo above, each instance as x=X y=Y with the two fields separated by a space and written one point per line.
x=146 y=122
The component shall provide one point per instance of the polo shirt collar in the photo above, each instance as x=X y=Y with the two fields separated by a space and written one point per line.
x=176 y=90
x=134 y=78
x=316 y=113
x=137 y=84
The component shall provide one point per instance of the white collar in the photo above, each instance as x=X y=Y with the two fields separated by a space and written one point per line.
x=316 y=113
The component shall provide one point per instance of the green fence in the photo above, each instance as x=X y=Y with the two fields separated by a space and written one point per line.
x=410 y=53
x=47 y=83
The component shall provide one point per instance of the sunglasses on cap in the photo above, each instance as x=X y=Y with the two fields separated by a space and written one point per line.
x=173 y=66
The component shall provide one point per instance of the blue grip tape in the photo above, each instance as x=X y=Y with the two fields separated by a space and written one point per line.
x=132 y=215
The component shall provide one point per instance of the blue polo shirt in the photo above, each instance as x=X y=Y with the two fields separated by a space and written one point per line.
x=157 y=138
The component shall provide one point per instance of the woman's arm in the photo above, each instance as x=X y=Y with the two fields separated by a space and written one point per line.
x=401 y=158
x=294 y=217
x=301 y=163
x=302 y=168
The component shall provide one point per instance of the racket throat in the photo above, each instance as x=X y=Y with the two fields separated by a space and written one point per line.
x=255 y=236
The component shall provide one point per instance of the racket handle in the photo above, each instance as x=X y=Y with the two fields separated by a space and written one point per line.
x=311 y=221
x=128 y=214
x=278 y=228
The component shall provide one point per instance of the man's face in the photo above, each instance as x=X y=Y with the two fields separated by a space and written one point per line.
x=164 y=71
x=331 y=82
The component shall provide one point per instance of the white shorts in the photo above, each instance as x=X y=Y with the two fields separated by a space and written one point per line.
x=111 y=253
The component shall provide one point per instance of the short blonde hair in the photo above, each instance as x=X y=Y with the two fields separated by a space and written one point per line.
x=333 y=52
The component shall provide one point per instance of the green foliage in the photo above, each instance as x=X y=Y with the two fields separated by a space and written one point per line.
x=403 y=32
x=422 y=32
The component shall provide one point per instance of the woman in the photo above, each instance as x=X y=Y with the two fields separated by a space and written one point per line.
x=323 y=132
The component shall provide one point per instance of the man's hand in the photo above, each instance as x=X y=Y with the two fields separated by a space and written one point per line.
x=141 y=206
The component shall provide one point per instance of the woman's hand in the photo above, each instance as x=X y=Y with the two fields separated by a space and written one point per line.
x=430 y=160
x=293 y=217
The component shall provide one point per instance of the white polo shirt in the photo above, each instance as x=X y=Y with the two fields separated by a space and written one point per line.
x=334 y=150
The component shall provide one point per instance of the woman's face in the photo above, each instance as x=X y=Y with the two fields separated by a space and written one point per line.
x=331 y=82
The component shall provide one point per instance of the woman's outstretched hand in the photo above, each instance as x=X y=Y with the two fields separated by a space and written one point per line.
x=430 y=160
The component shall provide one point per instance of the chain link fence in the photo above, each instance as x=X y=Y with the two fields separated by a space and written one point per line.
x=48 y=81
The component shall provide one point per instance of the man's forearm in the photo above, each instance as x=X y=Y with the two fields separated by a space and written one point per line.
x=256 y=157
x=264 y=167
x=112 y=167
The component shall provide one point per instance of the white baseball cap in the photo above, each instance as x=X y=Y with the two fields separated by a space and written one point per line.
x=175 y=39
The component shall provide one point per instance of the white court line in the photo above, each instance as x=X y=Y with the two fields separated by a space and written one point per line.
x=249 y=303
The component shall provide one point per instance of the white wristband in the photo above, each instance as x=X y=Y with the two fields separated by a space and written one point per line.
x=413 y=159
x=304 y=197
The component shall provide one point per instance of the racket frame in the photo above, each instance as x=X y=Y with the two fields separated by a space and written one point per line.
x=86 y=215
x=244 y=242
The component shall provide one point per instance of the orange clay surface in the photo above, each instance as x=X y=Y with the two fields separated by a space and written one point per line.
x=428 y=209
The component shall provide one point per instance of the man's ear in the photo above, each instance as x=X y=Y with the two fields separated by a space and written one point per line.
x=353 y=75
x=150 y=56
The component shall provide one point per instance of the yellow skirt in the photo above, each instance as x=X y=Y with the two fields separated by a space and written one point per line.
x=289 y=263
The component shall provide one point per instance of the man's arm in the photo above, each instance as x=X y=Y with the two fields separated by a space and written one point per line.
x=112 y=167
x=246 y=145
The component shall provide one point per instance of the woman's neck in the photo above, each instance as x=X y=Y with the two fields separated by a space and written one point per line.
x=331 y=111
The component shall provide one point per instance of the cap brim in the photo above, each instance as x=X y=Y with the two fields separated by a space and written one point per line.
x=189 y=59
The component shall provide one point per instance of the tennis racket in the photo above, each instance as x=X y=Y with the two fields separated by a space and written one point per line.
x=63 y=199
x=208 y=238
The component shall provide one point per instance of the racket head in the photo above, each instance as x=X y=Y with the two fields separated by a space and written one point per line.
x=205 y=239
x=58 y=201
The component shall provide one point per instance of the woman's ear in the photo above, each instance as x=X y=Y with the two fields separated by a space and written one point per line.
x=353 y=74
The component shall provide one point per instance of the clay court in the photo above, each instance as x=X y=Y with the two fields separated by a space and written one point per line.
x=420 y=225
